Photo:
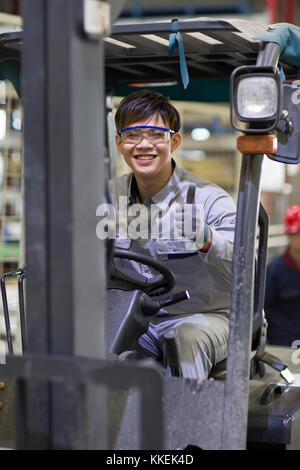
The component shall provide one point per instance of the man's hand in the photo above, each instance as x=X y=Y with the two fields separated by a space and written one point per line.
x=189 y=223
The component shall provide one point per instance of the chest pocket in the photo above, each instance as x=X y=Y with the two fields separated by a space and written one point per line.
x=182 y=263
x=123 y=243
x=175 y=249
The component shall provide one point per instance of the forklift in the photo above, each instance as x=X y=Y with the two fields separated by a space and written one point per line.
x=51 y=391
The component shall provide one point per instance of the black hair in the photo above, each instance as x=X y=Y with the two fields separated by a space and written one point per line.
x=141 y=105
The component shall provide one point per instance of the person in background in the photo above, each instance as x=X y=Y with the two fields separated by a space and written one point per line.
x=282 y=299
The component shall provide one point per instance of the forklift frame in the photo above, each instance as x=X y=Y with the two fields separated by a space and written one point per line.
x=65 y=263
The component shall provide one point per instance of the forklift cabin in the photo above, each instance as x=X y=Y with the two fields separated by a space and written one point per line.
x=63 y=375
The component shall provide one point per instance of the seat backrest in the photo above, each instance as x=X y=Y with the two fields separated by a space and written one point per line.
x=260 y=277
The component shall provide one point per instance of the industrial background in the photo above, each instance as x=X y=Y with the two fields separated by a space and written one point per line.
x=209 y=142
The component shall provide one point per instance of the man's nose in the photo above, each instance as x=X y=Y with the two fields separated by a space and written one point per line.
x=145 y=142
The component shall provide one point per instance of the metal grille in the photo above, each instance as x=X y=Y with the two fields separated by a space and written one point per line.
x=213 y=48
x=137 y=52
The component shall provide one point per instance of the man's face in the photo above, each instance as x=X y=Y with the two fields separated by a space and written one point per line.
x=148 y=160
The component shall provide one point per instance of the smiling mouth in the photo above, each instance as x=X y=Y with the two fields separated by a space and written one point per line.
x=145 y=157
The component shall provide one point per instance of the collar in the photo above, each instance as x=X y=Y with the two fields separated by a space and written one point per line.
x=164 y=196
x=290 y=262
x=133 y=190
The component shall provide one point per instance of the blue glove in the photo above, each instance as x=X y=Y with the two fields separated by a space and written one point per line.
x=288 y=37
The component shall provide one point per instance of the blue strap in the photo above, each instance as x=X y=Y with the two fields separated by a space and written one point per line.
x=176 y=39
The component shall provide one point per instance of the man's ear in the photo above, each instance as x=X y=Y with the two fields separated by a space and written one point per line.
x=175 y=141
x=118 y=142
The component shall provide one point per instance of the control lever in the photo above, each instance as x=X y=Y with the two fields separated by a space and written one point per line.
x=150 y=306
x=172 y=353
x=276 y=364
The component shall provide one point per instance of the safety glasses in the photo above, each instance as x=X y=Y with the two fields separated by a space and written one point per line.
x=155 y=135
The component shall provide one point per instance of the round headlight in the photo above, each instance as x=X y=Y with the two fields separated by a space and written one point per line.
x=257 y=98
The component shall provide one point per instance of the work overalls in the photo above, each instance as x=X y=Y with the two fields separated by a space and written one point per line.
x=202 y=322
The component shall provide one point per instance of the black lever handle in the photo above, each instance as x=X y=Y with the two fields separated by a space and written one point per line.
x=150 y=306
x=175 y=298
x=172 y=353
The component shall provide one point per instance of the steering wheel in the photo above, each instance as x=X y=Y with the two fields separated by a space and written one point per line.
x=157 y=285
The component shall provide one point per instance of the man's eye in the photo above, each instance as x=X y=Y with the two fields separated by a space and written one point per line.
x=157 y=135
x=133 y=135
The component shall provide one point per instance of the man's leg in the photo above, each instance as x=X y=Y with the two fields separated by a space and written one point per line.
x=202 y=341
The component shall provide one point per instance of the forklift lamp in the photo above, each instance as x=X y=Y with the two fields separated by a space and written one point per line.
x=256 y=98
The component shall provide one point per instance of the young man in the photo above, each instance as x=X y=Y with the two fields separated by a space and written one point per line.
x=148 y=128
x=282 y=300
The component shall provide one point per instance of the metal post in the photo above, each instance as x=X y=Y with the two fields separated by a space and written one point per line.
x=63 y=92
x=238 y=361
x=242 y=295
x=34 y=84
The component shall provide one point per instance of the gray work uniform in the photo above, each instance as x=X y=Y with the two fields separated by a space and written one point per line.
x=201 y=322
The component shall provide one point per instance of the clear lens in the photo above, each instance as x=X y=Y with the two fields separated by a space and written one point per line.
x=154 y=136
x=257 y=97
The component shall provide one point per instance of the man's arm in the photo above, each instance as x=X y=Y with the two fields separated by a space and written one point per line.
x=220 y=216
